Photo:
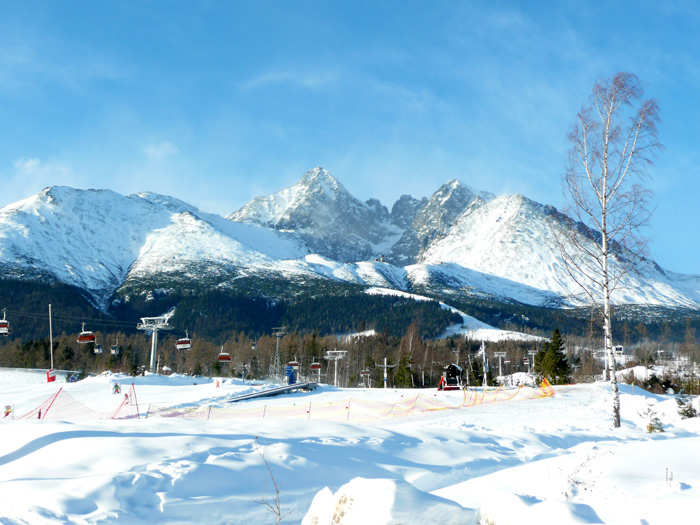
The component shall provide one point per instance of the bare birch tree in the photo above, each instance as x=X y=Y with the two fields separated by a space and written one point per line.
x=612 y=141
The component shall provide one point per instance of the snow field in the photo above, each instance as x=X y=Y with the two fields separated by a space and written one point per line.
x=552 y=459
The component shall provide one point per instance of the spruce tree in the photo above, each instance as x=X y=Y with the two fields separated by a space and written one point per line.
x=551 y=362
x=402 y=377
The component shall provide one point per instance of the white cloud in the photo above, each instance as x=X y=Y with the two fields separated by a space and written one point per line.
x=305 y=79
x=161 y=150
x=30 y=174
x=28 y=165
x=33 y=169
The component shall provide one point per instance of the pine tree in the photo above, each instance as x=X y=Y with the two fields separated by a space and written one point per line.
x=685 y=406
x=402 y=377
x=550 y=361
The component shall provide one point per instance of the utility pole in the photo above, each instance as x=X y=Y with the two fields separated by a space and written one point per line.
x=485 y=362
x=531 y=361
x=385 y=366
x=50 y=337
x=500 y=356
x=335 y=355
x=153 y=324
x=470 y=369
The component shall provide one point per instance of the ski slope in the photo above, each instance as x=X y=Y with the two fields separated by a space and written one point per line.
x=470 y=327
x=341 y=456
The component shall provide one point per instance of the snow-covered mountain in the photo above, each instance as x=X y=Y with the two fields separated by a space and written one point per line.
x=433 y=218
x=513 y=238
x=326 y=216
x=97 y=239
x=457 y=242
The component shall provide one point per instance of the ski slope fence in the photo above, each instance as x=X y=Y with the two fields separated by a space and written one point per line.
x=64 y=406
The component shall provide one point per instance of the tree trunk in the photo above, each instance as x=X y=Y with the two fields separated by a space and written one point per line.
x=607 y=316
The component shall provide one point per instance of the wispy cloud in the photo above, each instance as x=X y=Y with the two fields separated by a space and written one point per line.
x=33 y=169
x=27 y=166
x=28 y=61
x=304 y=79
x=161 y=150
x=28 y=175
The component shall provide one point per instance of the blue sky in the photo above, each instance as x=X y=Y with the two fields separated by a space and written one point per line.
x=217 y=102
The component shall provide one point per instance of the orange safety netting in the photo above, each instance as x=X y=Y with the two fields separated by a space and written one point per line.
x=63 y=406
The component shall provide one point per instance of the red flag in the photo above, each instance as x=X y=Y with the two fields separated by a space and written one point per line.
x=50 y=376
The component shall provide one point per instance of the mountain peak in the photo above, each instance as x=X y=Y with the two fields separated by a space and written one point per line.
x=319 y=178
x=453 y=186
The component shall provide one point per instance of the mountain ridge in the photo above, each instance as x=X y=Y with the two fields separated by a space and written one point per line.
x=458 y=242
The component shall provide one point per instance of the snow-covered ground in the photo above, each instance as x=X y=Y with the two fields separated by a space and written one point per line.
x=339 y=455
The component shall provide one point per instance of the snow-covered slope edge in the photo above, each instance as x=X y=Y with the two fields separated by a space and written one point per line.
x=470 y=327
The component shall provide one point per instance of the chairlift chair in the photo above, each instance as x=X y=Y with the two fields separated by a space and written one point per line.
x=98 y=349
x=115 y=348
x=86 y=336
x=184 y=343
x=315 y=368
x=4 y=324
x=224 y=357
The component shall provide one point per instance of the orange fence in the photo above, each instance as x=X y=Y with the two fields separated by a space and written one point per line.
x=355 y=408
x=63 y=406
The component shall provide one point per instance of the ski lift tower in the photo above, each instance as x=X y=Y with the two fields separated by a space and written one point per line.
x=276 y=365
x=500 y=356
x=385 y=366
x=482 y=351
x=153 y=324
x=335 y=355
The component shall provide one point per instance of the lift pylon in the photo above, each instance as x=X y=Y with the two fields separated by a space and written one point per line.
x=153 y=325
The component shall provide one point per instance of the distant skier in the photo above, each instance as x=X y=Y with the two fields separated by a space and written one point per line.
x=116 y=389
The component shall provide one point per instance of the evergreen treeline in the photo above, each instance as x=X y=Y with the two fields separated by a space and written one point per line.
x=255 y=305
x=420 y=361
x=212 y=313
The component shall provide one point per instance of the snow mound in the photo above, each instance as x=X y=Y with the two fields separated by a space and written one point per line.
x=383 y=501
